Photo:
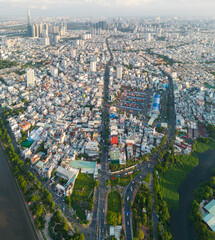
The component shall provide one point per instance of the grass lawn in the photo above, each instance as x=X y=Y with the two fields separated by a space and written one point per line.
x=170 y=181
x=123 y=181
x=147 y=178
x=82 y=195
x=114 y=202
x=202 y=147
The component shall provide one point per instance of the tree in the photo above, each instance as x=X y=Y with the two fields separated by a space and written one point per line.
x=96 y=184
x=22 y=183
x=57 y=216
x=65 y=226
x=39 y=210
x=114 y=218
x=82 y=236
x=68 y=201
x=34 y=198
x=145 y=220
x=108 y=182
x=141 y=234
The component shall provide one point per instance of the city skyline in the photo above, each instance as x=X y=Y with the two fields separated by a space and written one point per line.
x=90 y=8
x=107 y=123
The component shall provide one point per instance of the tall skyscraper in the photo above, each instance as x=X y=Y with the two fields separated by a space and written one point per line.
x=29 y=17
x=30 y=78
x=29 y=27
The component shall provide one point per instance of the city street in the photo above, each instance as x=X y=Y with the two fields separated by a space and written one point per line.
x=101 y=226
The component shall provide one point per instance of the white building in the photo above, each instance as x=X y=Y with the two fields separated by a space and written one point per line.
x=30 y=78
x=73 y=53
x=148 y=38
x=93 y=65
x=54 y=72
x=119 y=72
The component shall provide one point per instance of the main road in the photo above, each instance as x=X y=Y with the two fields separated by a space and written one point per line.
x=104 y=159
x=146 y=168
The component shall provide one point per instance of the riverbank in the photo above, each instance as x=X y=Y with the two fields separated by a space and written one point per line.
x=181 y=226
x=176 y=173
x=171 y=180
x=202 y=147
x=169 y=175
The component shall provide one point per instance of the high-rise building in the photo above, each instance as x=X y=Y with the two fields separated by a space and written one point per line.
x=54 y=72
x=30 y=78
x=119 y=72
x=29 y=17
x=40 y=30
x=93 y=65
x=45 y=32
x=45 y=41
x=29 y=26
x=102 y=25
x=148 y=37
x=56 y=38
x=33 y=30
x=55 y=29
x=73 y=53
x=37 y=33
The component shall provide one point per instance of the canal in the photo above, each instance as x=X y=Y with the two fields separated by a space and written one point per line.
x=181 y=226
x=14 y=221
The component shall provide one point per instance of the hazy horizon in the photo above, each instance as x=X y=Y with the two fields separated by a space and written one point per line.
x=109 y=8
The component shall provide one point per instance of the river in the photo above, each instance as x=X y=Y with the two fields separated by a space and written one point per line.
x=14 y=221
x=181 y=227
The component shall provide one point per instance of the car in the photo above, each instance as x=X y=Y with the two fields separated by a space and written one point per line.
x=127 y=223
x=127 y=214
x=127 y=198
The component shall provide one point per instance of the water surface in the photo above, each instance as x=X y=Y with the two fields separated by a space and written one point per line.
x=14 y=222
x=181 y=227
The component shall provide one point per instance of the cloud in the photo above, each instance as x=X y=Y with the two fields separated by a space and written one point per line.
x=44 y=7
x=38 y=3
x=109 y=7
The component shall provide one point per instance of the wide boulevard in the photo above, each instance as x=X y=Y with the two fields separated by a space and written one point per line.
x=104 y=160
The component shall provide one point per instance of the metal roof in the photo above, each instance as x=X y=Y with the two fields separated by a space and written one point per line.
x=210 y=207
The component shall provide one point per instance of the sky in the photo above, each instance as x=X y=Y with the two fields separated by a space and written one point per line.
x=109 y=8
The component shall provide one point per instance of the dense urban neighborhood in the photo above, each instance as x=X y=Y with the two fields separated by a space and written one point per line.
x=101 y=121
